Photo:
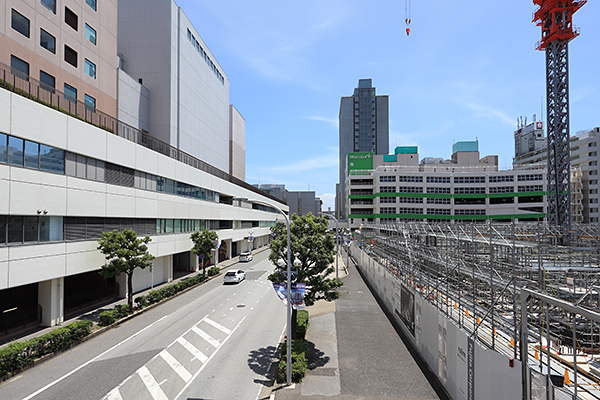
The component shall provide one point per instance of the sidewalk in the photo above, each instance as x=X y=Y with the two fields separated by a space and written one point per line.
x=94 y=313
x=356 y=353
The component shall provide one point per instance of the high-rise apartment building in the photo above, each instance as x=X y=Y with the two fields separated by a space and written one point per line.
x=364 y=127
x=68 y=46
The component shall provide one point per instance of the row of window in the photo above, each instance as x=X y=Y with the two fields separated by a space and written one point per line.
x=20 y=68
x=25 y=153
x=38 y=229
x=502 y=178
x=21 y=24
x=530 y=188
x=530 y=177
x=469 y=179
x=387 y=178
x=438 y=211
x=469 y=212
x=469 y=190
x=417 y=179
x=438 y=179
x=438 y=201
x=203 y=54
x=51 y=5
x=502 y=189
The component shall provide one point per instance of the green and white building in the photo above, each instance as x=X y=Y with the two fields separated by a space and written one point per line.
x=401 y=187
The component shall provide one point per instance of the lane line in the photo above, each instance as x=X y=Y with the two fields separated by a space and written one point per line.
x=210 y=358
x=177 y=367
x=151 y=384
x=217 y=325
x=114 y=395
x=91 y=361
x=215 y=343
x=192 y=349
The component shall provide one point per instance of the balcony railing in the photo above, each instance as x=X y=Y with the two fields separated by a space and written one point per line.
x=35 y=90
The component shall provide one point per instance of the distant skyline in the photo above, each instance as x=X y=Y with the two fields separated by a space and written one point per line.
x=468 y=70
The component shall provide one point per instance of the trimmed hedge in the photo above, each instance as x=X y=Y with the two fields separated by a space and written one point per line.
x=299 y=351
x=18 y=355
x=213 y=271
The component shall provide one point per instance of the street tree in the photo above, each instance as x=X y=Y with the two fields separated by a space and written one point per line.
x=314 y=247
x=124 y=252
x=204 y=243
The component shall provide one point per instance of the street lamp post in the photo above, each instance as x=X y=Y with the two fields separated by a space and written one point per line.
x=337 y=244
x=289 y=289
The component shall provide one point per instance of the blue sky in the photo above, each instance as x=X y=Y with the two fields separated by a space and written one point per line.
x=468 y=69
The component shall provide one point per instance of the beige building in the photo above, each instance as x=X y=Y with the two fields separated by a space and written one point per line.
x=70 y=46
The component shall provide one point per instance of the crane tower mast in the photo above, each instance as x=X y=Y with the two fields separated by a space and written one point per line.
x=556 y=20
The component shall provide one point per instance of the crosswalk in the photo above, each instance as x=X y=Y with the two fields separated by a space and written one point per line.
x=172 y=370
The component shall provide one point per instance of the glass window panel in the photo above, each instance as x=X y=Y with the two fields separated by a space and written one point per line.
x=48 y=81
x=2 y=229
x=169 y=186
x=47 y=41
x=90 y=34
x=19 y=67
x=15 y=229
x=70 y=56
x=15 y=151
x=31 y=229
x=50 y=5
x=91 y=168
x=20 y=23
x=32 y=154
x=90 y=102
x=90 y=69
x=177 y=226
x=160 y=184
x=100 y=170
x=51 y=159
x=70 y=93
x=51 y=229
x=81 y=166
x=3 y=141
x=71 y=18
x=92 y=3
x=169 y=226
x=70 y=164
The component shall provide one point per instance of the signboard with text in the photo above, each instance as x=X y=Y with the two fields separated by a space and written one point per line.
x=357 y=161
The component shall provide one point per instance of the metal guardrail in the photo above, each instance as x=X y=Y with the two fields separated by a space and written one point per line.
x=37 y=91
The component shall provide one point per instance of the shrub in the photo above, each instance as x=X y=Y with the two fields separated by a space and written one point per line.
x=19 y=355
x=302 y=323
x=213 y=271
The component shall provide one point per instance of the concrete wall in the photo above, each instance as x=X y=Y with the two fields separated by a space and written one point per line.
x=132 y=102
x=442 y=344
x=237 y=144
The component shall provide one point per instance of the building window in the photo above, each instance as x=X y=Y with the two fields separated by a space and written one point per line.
x=90 y=34
x=92 y=3
x=71 y=56
x=51 y=159
x=90 y=103
x=32 y=154
x=90 y=68
x=20 y=23
x=50 y=5
x=19 y=67
x=47 y=41
x=47 y=81
x=15 y=151
x=70 y=93
x=71 y=18
x=3 y=139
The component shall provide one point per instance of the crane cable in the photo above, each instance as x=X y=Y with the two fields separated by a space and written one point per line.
x=407 y=7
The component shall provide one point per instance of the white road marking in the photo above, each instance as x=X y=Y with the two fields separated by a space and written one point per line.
x=151 y=384
x=192 y=349
x=91 y=361
x=114 y=395
x=177 y=367
x=231 y=309
x=217 y=325
x=215 y=343
x=210 y=358
x=163 y=381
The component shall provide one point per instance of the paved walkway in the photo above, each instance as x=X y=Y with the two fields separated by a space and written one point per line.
x=355 y=353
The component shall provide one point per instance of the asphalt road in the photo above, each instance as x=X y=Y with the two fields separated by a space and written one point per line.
x=214 y=342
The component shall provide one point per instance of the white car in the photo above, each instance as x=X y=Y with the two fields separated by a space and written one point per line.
x=234 y=276
x=245 y=257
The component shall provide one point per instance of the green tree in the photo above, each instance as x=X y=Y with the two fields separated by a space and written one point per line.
x=314 y=247
x=204 y=243
x=124 y=252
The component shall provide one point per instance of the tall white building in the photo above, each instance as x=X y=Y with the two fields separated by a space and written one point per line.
x=69 y=171
x=399 y=187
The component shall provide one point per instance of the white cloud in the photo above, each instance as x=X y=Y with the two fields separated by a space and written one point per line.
x=328 y=201
x=331 y=121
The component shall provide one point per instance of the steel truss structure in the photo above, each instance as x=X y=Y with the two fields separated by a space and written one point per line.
x=474 y=273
